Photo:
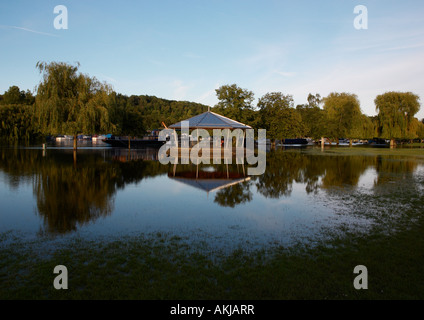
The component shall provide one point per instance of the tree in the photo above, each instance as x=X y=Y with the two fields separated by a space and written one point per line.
x=16 y=122
x=343 y=115
x=314 y=100
x=132 y=123
x=420 y=130
x=396 y=112
x=279 y=117
x=16 y=115
x=17 y=96
x=235 y=102
x=313 y=117
x=69 y=102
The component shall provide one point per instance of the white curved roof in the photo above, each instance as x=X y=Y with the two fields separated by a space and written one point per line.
x=211 y=120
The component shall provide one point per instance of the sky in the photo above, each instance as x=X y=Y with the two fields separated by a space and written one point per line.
x=186 y=49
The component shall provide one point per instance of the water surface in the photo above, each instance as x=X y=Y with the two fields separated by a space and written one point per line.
x=106 y=193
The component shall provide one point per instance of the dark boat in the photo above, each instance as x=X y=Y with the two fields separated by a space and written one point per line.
x=379 y=143
x=151 y=141
x=295 y=142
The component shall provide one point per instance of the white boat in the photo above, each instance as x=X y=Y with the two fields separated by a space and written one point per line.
x=62 y=137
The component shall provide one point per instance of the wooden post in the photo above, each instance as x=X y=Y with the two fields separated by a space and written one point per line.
x=75 y=142
x=75 y=158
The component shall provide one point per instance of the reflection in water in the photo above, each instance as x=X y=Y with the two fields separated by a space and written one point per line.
x=228 y=181
x=234 y=195
x=69 y=195
x=346 y=171
x=390 y=170
x=72 y=194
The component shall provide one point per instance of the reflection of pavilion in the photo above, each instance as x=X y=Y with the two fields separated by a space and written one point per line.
x=125 y=155
x=208 y=181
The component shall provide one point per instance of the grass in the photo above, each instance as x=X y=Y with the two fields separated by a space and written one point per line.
x=164 y=267
x=364 y=151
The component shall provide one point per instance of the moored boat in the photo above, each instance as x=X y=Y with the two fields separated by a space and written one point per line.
x=295 y=142
x=125 y=142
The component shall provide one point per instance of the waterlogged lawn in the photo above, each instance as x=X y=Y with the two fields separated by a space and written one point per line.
x=161 y=266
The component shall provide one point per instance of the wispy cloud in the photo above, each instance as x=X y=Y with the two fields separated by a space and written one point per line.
x=179 y=90
x=107 y=78
x=30 y=30
x=285 y=74
x=208 y=96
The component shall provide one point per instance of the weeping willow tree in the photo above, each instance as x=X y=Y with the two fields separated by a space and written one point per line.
x=71 y=103
x=344 y=115
x=396 y=112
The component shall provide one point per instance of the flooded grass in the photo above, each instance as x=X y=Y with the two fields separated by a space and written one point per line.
x=165 y=267
x=366 y=151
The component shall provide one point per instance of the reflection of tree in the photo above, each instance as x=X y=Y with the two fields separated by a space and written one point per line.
x=19 y=164
x=67 y=196
x=312 y=172
x=282 y=169
x=388 y=168
x=135 y=171
x=234 y=195
x=345 y=170
x=285 y=168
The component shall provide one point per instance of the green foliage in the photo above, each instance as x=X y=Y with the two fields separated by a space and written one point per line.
x=364 y=129
x=313 y=117
x=420 y=129
x=69 y=102
x=235 y=103
x=16 y=96
x=134 y=115
x=396 y=112
x=343 y=115
x=16 y=122
x=279 y=117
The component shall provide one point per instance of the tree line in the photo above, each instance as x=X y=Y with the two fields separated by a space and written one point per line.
x=338 y=115
x=69 y=102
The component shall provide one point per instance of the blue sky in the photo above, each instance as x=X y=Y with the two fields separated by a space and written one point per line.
x=185 y=49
